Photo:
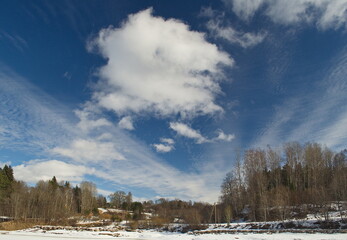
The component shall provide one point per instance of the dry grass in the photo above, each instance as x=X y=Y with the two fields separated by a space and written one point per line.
x=16 y=225
x=105 y=216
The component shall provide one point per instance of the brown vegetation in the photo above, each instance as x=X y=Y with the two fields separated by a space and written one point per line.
x=279 y=184
x=16 y=225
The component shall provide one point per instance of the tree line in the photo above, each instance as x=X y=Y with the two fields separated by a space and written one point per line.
x=276 y=184
x=265 y=184
x=53 y=201
x=47 y=200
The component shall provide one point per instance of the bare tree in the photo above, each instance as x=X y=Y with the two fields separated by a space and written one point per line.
x=88 y=196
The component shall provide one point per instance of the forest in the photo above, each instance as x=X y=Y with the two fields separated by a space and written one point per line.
x=56 y=202
x=265 y=184
x=289 y=182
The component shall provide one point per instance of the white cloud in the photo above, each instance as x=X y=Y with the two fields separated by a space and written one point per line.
x=334 y=15
x=163 y=147
x=30 y=119
x=186 y=131
x=86 y=122
x=172 y=70
x=167 y=145
x=104 y=137
x=245 y=9
x=83 y=150
x=2 y=164
x=103 y=192
x=323 y=13
x=126 y=123
x=36 y=170
x=228 y=33
x=224 y=137
x=169 y=141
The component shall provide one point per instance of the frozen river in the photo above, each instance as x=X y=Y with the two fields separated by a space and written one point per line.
x=152 y=235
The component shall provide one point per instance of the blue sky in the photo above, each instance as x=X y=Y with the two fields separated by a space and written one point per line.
x=157 y=97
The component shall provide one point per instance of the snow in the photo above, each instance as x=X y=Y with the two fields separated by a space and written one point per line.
x=33 y=234
x=116 y=231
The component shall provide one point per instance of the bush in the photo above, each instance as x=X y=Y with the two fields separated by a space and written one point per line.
x=158 y=222
x=95 y=212
x=193 y=227
x=329 y=225
x=116 y=218
x=134 y=225
x=64 y=222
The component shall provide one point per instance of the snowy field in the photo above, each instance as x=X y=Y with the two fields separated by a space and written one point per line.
x=33 y=234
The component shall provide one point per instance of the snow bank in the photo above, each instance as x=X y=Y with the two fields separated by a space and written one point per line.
x=34 y=234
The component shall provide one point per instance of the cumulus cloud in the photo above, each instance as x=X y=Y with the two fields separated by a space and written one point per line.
x=228 y=33
x=172 y=70
x=186 y=131
x=126 y=123
x=83 y=150
x=166 y=145
x=98 y=144
x=35 y=170
x=323 y=13
x=90 y=148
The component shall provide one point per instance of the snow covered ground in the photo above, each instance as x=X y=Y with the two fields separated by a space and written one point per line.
x=33 y=234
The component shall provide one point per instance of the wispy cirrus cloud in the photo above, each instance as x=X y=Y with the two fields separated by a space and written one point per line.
x=90 y=150
x=318 y=115
x=151 y=77
x=322 y=13
x=15 y=40
x=220 y=28
x=34 y=123
x=228 y=33
x=24 y=113
x=244 y=9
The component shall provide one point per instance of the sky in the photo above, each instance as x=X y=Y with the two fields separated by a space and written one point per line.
x=158 y=97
